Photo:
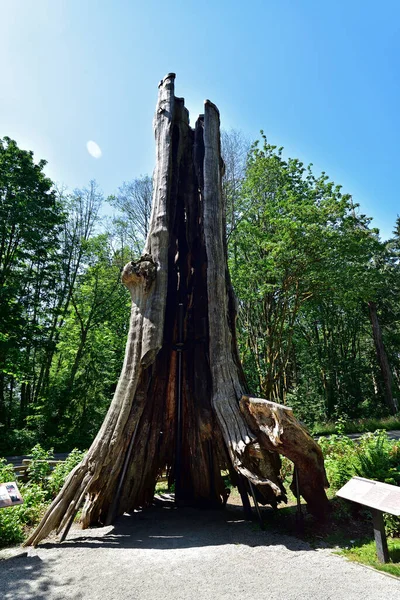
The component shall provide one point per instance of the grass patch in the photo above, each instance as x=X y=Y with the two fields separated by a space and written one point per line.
x=365 y=552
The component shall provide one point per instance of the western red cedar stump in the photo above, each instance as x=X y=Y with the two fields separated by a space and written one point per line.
x=184 y=263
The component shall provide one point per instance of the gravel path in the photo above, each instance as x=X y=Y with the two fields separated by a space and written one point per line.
x=165 y=554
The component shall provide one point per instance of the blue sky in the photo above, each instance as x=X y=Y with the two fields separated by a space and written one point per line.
x=321 y=78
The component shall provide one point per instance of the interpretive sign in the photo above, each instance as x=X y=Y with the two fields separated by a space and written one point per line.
x=380 y=498
x=374 y=494
x=9 y=494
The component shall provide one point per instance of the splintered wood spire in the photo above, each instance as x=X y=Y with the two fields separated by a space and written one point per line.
x=180 y=287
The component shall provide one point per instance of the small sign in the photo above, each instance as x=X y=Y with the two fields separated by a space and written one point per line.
x=374 y=494
x=9 y=494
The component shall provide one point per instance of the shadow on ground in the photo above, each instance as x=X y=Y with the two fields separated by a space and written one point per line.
x=164 y=527
x=160 y=527
x=26 y=577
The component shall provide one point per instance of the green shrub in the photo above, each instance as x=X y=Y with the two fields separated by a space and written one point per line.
x=35 y=501
x=392 y=525
x=378 y=458
x=62 y=470
x=39 y=469
x=11 y=527
x=15 y=521
x=340 y=456
x=373 y=456
x=286 y=471
x=6 y=471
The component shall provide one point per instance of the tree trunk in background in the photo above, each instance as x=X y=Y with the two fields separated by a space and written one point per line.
x=179 y=288
x=382 y=359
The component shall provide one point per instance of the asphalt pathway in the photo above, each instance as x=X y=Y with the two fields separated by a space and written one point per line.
x=169 y=554
x=17 y=460
x=392 y=435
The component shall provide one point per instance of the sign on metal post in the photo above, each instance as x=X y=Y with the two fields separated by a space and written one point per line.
x=381 y=498
x=380 y=536
x=9 y=494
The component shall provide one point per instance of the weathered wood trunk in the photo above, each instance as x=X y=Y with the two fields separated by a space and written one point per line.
x=181 y=288
x=382 y=359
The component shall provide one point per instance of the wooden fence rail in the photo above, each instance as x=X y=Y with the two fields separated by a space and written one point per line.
x=21 y=471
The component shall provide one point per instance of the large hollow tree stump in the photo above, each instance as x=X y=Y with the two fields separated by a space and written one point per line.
x=181 y=287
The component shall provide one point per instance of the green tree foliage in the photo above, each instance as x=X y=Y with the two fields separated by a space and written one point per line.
x=90 y=350
x=388 y=302
x=31 y=218
x=64 y=314
x=305 y=266
x=303 y=270
x=234 y=149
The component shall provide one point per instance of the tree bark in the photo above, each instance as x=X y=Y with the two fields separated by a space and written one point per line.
x=382 y=359
x=279 y=431
x=183 y=271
